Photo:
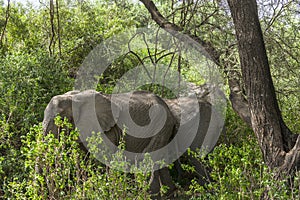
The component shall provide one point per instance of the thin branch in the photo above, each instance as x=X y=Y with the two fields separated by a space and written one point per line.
x=173 y=28
x=193 y=11
x=58 y=28
x=51 y=12
x=286 y=51
x=136 y=55
x=276 y=15
x=7 y=15
x=170 y=63
x=167 y=54
x=148 y=49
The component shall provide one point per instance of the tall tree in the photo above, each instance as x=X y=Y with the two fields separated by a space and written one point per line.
x=280 y=147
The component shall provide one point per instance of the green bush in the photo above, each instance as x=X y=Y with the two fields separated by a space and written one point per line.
x=28 y=81
x=58 y=169
x=238 y=172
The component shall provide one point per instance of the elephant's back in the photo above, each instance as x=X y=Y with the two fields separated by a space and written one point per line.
x=149 y=111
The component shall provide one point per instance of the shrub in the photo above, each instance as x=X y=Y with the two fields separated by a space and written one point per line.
x=58 y=169
x=238 y=172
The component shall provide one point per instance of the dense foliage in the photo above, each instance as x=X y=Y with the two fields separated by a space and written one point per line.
x=39 y=59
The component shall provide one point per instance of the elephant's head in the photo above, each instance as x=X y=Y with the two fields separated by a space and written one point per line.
x=84 y=110
x=59 y=105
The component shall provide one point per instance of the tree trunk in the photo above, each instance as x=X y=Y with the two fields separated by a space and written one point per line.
x=280 y=147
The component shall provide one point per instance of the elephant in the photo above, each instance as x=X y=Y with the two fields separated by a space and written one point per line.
x=146 y=110
x=111 y=112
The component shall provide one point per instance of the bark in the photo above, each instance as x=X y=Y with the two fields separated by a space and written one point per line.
x=237 y=98
x=280 y=147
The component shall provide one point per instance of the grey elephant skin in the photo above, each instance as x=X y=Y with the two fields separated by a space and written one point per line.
x=209 y=127
x=81 y=108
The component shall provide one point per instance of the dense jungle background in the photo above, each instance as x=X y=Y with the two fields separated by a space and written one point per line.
x=42 y=45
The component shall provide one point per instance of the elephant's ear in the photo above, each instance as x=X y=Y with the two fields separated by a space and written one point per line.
x=93 y=111
x=107 y=112
x=59 y=105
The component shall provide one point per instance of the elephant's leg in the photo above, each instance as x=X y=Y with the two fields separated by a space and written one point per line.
x=161 y=178
x=202 y=171
x=166 y=180
x=155 y=183
x=178 y=169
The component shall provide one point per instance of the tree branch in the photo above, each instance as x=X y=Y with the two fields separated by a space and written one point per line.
x=51 y=12
x=239 y=103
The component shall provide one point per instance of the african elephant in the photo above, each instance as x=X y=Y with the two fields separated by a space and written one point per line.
x=153 y=122
x=78 y=108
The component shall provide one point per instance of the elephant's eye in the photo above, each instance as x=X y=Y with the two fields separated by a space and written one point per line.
x=63 y=104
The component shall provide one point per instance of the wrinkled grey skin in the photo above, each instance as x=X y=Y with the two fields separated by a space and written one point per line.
x=140 y=102
x=209 y=129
